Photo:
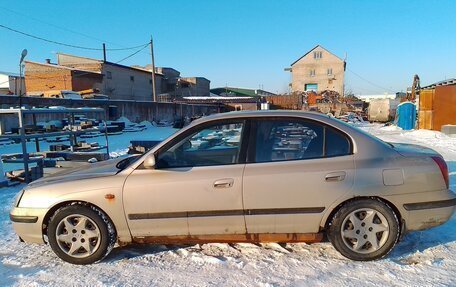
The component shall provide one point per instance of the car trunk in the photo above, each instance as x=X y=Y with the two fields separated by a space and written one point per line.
x=414 y=150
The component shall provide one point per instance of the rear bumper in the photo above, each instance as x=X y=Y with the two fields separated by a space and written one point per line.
x=27 y=222
x=425 y=210
x=430 y=204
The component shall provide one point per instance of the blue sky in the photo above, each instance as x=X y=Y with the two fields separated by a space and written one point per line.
x=247 y=43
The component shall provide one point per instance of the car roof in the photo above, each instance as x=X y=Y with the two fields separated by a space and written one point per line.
x=261 y=113
x=371 y=145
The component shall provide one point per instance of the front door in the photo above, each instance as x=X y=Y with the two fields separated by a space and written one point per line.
x=296 y=168
x=196 y=187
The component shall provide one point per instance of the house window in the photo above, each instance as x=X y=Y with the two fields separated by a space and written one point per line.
x=108 y=75
x=330 y=71
x=132 y=78
x=312 y=73
x=318 y=55
x=311 y=87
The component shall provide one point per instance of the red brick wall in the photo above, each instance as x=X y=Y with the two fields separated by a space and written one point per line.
x=39 y=78
x=84 y=81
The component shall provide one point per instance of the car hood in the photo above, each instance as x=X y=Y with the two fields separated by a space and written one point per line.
x=92 y=170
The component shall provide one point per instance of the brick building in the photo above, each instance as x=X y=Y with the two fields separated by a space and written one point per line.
x=318 y=70
x=119 y=82
x=41 y=77
x=193 y=86
x=174 y=86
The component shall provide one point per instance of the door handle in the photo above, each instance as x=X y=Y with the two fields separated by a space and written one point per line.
x=224 y=183
x=335 y=176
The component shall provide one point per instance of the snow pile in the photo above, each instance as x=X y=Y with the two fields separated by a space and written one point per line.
x=427 y=134
x=146 y=123
x=436 y=140
x=125 y=120
x=391 y=128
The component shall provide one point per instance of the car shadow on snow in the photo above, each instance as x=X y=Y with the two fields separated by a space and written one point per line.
x=138 y=250
x=422 y=240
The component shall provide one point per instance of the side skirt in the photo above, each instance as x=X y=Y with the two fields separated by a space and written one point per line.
x=232 y=238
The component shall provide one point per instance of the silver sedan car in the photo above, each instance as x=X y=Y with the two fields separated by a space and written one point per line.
x=273 y=176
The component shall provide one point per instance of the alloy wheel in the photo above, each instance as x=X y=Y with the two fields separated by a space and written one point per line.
x=365 y=230
x=78 y=236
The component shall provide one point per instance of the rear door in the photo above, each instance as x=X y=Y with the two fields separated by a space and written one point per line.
x=296 y=168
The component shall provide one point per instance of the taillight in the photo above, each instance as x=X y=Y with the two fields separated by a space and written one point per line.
x=443 y=168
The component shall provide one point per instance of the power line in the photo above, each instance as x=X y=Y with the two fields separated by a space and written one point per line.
x=133 y=54
x=28 y=17
x=64 y=28
x=64 y=44
x=370 y=82
x=53 y=25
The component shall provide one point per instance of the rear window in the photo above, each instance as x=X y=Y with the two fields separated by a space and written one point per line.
x=337 y=144
x=365 y=133
x=283 y=139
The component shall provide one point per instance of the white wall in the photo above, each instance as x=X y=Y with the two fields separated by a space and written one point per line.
x=368 y=98
x=8 y=83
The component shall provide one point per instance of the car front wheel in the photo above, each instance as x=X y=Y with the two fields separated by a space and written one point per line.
x=81 y=234
x=364 y=230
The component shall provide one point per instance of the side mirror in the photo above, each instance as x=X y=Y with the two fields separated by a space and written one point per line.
x=187 y=145
x=149 y=162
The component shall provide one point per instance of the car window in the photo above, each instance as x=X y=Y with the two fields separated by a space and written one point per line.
x=294 y=139
x=218 y=144
x=337 y=144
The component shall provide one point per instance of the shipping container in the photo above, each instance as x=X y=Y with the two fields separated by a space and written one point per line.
x=382 y=110
x=437 y=107
x=425 y=120
x=426 y=100
x=444 y=106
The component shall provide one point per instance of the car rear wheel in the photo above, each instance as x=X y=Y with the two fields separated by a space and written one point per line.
x=81 y=234
x=364 y=230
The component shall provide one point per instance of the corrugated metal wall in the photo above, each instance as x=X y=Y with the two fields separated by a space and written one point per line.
x=437 y=107
x=444 y=106
x=426 y=109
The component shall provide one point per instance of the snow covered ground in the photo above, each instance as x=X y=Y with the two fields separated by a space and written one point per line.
x=426 y=258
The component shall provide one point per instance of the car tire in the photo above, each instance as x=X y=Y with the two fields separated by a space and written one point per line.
x=364 y=230
x=81 y=234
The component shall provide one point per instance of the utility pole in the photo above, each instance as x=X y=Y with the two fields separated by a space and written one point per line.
x=20 y=86
x=104 y=52
x=23 y=54
x=153 y=69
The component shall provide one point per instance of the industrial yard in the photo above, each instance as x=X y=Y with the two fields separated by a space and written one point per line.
x=422 y=258
x=270 y=98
